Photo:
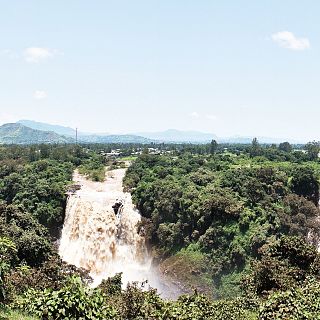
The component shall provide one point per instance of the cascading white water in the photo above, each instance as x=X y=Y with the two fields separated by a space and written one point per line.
x=98 y=240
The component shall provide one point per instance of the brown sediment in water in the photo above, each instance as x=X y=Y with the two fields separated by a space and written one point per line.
x=98 y=240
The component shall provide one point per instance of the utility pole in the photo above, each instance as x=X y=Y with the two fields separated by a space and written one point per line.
x=76 y=135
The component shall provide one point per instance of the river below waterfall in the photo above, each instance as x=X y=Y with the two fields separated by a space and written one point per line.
x=103 y=240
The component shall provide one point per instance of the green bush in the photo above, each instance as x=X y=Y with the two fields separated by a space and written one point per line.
x=74 y=301
x=7 y=254
x=94 y=168
x=294 y=304
x=196 y=307
x=9 y=314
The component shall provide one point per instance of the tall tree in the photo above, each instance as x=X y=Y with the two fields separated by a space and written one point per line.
x=313 y=149
x=285 y=146
x=255 y=149
x=213 y=147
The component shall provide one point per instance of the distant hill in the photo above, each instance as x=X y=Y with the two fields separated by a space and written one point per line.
x=173 y=135
x=169 y=136
x=82 y=136
x=16 y=133
x=61 y=130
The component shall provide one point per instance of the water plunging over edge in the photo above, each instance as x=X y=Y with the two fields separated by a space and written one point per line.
x=102 y=239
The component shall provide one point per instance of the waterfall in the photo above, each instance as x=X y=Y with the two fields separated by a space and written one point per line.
x=100 y=231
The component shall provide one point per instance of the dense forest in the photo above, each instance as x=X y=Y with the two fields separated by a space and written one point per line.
x=222 y=209
x=239 y=224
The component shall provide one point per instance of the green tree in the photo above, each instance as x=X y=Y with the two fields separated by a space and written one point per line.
x=7 y=252
x=255 y=149
x=305 y=183
x=285 y=146
x=213 y=147
x=313 y=149
x=44 y=151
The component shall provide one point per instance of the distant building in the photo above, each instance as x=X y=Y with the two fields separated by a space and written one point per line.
x=113 y=154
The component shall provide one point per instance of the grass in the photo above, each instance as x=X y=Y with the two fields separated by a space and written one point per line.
x=230 y=286
x=94 y=173
x=9 y=314
x=189 y=268
x=128 y=158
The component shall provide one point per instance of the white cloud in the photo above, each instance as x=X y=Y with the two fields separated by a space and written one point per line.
x=211 y=117
x=36 y=54
x=288 y=40
x=194 y=114
x=40 y=95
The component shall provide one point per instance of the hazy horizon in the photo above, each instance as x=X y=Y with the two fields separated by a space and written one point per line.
x=169 y=134
x=230 y=69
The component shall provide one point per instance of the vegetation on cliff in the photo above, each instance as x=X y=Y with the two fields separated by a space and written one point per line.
x=237 y=225
x=225 y=207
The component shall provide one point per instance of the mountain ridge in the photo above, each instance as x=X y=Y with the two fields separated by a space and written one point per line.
x=59 y=129
x=17 y=133
x=168 y=136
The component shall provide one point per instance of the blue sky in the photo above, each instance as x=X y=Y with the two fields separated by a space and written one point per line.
x=226 y=67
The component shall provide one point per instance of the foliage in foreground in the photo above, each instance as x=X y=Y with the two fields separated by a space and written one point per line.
x=284 y=284
x=298 y=303
x=9 y=314
x=76 y=301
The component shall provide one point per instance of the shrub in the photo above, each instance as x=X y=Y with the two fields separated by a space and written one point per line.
x=196 y=307
x=74 y=301
x=294 y=304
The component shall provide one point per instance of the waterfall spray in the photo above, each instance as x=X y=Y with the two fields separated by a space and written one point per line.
x=100 y=232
